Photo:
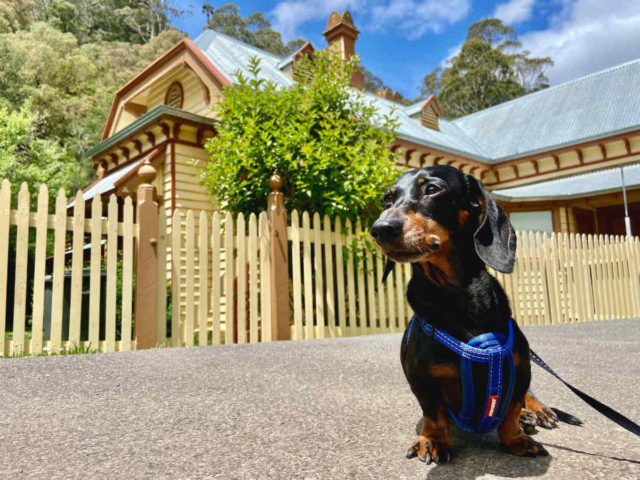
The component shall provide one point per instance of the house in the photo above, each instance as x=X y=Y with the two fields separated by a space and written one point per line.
x=553 y=158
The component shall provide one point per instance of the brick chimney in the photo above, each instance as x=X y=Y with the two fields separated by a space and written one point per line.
x=341 y=35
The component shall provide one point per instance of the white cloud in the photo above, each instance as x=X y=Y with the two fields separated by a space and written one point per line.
x=415 y=18
x=587 y=36
x=410 y=18
x=515 y=11
x=290 y=14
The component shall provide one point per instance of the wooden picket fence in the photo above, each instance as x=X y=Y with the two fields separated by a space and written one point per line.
x=337 y=290
x=558 y=278
x=563 y=278
x=221 y=269
x=70 y=324
x=67 y=279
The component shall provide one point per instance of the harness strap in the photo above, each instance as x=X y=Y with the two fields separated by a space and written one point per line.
x=490 y=348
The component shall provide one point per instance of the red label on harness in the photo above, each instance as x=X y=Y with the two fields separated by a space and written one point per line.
x=491 y=406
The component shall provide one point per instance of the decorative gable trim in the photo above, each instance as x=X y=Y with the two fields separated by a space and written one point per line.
x=430 y=113
x=193 y=58
x=304 y=51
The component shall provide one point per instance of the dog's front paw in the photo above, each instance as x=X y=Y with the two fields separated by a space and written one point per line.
x=528 y=420
x=546 y=417
x=428 y=450
x=524 y=446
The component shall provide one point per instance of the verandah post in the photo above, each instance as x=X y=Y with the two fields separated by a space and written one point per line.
x=146 y=273
x=278 y=251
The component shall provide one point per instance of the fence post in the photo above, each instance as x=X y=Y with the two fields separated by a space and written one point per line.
x=146 y=273
x=278 y=250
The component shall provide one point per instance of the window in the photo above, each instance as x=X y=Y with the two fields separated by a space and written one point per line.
x=532 y=221
x=174 y=95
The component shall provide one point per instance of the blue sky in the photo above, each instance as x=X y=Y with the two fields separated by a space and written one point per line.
x=402 y=40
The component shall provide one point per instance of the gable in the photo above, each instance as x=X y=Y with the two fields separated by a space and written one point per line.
x=182 y=65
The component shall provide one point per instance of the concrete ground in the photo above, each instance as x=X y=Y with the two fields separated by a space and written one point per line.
x=324 y=409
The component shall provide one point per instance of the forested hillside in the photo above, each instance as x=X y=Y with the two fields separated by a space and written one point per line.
x=60 y=65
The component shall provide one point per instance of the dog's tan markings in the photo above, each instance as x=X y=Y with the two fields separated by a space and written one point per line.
x=513 y=438
x=446 y=370
x=463 y=215
x=437 y=265
x=421 y=180
x=434 y=438
x=516 y=359
x=544 y=415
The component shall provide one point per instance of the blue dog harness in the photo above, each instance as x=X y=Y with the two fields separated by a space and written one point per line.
x=489 y=348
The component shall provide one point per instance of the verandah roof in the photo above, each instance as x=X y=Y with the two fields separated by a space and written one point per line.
x=588 y=184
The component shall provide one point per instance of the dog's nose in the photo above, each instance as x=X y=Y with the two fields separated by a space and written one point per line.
x=387 y=231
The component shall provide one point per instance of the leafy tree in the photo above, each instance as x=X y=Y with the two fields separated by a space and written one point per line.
x=489 y=70
x=148 y=18
x=70 y=87
x=371 y=82
x=326 y=141
x=134 y=21
x=254 y=29
x=26 y=157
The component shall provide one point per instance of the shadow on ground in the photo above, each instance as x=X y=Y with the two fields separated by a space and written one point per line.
x=475 y=456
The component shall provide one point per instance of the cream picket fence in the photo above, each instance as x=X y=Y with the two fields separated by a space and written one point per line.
x=54 y=238
x=338 y=291
x=564 y=278
x=219 y=271
x=221 y=268
x=558 y=278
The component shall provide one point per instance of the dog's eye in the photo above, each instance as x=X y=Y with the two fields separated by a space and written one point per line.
x=432 y=188
x=387 y=200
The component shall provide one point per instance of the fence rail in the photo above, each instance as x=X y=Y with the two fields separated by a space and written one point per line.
x=55 y=297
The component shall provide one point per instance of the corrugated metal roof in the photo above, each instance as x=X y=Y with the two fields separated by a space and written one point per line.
x=106 y=184
x=596 y=106
x=414 y=108
x=593 y=183
x=449 y=138
x=230 y=55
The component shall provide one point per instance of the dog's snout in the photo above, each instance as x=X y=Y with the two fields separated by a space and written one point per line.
x=387 y=231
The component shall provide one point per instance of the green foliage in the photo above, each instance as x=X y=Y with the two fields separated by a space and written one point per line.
x=488 y=70
x=26 y=157
x=134 y=21
x=68 y=86
x=254 y=29
x=325 y=140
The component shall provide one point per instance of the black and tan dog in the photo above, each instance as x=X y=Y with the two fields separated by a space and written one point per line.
x=448 y=226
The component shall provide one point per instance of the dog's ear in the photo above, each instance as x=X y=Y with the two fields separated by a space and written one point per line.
x=495 y=238
x=387 y=269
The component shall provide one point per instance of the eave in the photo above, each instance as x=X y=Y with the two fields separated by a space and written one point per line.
x=156 y=115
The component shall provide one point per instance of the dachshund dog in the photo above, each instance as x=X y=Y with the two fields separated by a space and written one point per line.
x=449 y=226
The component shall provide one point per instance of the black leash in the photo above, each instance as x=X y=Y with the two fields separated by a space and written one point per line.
x=608 y=412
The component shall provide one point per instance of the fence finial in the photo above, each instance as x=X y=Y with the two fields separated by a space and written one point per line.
x=275 y=181
x=147 y=172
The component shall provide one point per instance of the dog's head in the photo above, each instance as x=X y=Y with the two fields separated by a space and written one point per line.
x=427 y=208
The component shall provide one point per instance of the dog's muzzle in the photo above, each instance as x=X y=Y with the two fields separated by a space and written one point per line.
x=387 y=231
